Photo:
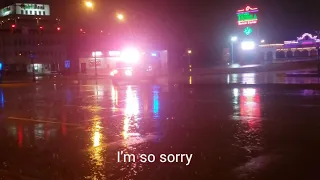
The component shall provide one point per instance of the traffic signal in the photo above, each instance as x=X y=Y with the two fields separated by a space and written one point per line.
x=13 y=27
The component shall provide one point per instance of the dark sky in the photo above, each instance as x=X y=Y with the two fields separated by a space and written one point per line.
x=207 y=21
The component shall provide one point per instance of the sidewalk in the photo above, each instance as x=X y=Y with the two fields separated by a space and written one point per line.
x=296 y=65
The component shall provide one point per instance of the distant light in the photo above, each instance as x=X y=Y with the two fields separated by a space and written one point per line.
x=249 y=92
x=247 y=45
x=234 y=38
x=120 y=16
x=0 y=66
x=262 y=41
x=154 y=54
x=13 y=25
x=247 y=31
x=114 y=53
x=81 y=30
x=189 y=51
x=89 y=4
x=67 y=64
x=58 y=28
x=130 y=55
x=96 y=54
x=41 y=27
x=128 y=73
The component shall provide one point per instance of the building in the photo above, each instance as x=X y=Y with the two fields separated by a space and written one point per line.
x=109 y=60
x=304 y=47
x=29 y=35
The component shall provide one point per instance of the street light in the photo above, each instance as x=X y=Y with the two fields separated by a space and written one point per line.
x=88 y=4
x=120 y=16
x=189 y=58
x=262 y=41
x=233 y=39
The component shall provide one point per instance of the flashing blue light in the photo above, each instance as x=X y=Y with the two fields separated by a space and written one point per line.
x=154 y=54
x=0 y=66
x=67 y=64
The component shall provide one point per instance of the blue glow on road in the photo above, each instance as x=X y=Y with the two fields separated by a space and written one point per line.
x=156 y=102
x=1 y=99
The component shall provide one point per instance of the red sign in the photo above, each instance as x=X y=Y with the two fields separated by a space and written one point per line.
x=247 y=9
x=91 y=63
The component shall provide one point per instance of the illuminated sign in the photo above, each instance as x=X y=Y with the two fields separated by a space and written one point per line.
x=114 y=53
x=6 y=11
x=97 y=54
x=247 y=31
x=32 y=6
x=247 y=16
x=32 y=9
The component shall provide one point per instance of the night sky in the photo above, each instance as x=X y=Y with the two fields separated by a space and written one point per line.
x=203 y=22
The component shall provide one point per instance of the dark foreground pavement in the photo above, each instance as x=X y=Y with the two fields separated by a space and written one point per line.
x=74 y=131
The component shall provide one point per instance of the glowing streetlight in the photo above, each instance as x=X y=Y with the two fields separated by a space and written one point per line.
x=88 y=4
x=189 y=51
x=120 y=17
x=262 y=41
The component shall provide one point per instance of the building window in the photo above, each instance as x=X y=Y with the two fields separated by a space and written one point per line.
x=30 y=12
x=43 y=13
x=35 y=13
x=26 y=12
x=22 y=11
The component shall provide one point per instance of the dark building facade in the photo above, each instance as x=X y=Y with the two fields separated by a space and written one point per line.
x=30 y=37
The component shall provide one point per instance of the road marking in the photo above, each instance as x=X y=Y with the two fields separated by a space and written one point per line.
x=43 y=121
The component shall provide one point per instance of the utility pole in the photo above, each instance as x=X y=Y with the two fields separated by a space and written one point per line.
x=318 y=51
x=95 y=63
x=32 y=62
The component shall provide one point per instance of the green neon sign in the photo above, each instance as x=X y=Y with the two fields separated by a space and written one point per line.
x=247 y=16
x=32 y=6
x=247 y=31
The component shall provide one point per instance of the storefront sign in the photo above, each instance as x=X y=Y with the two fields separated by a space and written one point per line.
x=32 y=6
x=247 y=16
x=91 y=63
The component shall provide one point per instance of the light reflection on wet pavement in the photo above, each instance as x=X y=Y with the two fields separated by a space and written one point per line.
x=73 y=131
x=250 y=78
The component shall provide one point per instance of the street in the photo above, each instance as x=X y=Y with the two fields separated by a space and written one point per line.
x=74 y=129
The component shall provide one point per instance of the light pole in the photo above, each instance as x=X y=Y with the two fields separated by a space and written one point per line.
x=233 y=40
x=90 y=5
x=95 y=64
x=32 y=62
x=318 y=52
x=189 y=55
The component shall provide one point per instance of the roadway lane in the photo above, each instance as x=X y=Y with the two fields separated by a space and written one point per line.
x=73 y=130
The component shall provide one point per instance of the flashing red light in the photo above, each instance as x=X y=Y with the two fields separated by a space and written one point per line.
x=41 y=27
x=13 y=26
x=58 y=28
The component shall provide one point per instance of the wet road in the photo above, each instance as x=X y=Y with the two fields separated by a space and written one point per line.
x=74 y=131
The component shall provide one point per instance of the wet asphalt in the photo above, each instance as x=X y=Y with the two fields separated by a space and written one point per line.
x=74 y=129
